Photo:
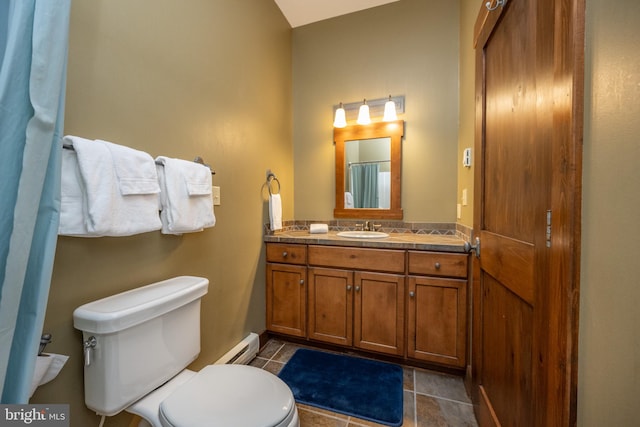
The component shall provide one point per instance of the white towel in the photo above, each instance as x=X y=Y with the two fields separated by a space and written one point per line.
x=135 y=170
x=348 y=200
x=72 y=199
x=318 y=228
x=185 y=197
x=275 y=211
x=109 y=208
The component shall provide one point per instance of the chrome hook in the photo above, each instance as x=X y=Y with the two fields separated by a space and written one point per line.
x=497 y=5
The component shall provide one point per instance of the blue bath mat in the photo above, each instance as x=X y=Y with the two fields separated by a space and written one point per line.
x=363 y=388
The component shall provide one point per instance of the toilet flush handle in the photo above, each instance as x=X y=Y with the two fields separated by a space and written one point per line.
x=89 y=345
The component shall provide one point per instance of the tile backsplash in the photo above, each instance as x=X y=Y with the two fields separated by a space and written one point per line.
x=440 y=228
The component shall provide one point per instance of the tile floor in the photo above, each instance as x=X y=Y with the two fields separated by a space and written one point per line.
x=430 y=398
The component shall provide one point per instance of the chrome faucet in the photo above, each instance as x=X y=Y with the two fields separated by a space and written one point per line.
x=369 y=226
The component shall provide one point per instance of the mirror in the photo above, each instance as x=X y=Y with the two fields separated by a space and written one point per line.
x=368 y=170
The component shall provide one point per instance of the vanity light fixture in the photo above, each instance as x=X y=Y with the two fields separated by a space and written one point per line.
x=389 y=111
x=340 y=119
x=346 y=113
x=363 y=115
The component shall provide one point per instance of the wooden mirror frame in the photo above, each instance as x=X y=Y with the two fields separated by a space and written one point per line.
x=393 y=130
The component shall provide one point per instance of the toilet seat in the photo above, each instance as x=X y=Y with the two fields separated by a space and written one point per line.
x=230 y=395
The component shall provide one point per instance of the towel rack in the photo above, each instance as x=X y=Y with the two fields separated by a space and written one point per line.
x=200 y=160
x=271 y=177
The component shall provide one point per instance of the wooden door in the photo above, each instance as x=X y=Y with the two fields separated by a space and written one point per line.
x=528 y=133
x=286 y=299
x=436 y=320
x=379 y=312
x=331 y=305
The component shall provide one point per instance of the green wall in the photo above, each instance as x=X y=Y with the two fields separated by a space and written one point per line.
x=409 y=48
x=609 y=348
x=202 y=78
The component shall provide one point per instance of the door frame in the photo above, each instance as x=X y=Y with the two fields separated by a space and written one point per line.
x=556 y=367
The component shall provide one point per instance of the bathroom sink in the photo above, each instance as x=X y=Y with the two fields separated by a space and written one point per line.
x=363 y=234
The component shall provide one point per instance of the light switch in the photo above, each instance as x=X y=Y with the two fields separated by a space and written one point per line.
x=466 y=157
x=464 y=197
x=216 y=195
x=459 y=211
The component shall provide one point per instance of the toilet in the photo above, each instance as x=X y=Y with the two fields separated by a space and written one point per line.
x=137 y=345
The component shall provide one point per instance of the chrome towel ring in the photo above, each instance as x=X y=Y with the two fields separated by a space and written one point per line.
x=271 y=178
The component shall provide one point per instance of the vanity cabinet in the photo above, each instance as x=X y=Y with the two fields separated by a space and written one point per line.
x=437 y=307
x=360 y=304
x=286 y=289
x=399 y=302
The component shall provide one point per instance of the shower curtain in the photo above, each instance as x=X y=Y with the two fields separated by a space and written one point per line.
x=364 y=185
x=33 y=56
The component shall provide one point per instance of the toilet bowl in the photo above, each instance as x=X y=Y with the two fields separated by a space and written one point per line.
x=137 y=346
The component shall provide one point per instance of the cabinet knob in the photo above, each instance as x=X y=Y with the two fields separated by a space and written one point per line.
x=437 y=266
x=412 y=294
x=284 y=254
x=302 y=281
x=348 y=287
x=357 y=288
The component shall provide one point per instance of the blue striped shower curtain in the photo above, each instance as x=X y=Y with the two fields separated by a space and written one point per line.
x=33 y=56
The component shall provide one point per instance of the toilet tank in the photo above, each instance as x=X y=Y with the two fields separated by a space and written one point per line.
x=143 y=337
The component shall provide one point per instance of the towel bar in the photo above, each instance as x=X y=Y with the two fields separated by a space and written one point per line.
x=200 y=160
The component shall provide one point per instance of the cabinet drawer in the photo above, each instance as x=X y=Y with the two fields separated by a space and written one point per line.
x=438 y=264
x=357 y=258
x=287 y=254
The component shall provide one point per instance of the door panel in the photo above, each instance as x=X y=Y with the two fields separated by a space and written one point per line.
x=507 y=344
x=437 y=320
x=331 y=305
x=529 y=77
x=514 y=194
x=286 y=299
x=379 y=312
x=517 y=273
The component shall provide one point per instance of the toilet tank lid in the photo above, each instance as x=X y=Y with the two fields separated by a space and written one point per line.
x=121 y=311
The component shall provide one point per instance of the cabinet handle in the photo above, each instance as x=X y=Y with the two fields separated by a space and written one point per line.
x=284 y=254
x=348 y=287
x=357 y=288
x=437 y=266
x=412 y=294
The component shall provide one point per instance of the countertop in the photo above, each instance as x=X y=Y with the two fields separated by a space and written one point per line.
x=424 y=242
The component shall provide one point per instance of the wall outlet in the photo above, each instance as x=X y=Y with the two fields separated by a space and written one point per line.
x=216 y=195
x=464 y=197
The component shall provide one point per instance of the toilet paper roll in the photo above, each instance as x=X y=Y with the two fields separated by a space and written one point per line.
x=318 y=228
x=48 y=366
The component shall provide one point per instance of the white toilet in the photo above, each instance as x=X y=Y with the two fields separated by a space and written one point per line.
x=137 y=346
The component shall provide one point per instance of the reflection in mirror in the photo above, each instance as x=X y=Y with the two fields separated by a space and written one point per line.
x=368 y=170
x=367 y=173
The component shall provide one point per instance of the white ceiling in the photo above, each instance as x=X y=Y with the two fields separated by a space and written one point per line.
x=302 y=12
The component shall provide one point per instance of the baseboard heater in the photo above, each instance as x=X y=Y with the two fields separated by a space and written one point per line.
x=243 y=352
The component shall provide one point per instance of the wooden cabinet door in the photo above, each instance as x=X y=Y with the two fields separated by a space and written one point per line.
x=286 y=299
x=331 y=305
x=379 y=312
x=436 y=312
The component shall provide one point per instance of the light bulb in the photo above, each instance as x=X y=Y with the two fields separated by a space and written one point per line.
x=340 y=120
x=390 y=111
x=363 y=114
